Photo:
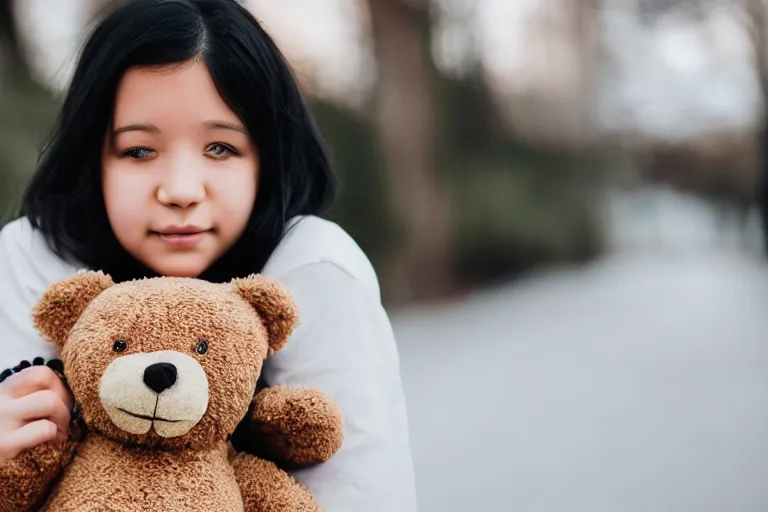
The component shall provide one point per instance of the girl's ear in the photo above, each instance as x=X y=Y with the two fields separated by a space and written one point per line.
x=63 y=302
x=273 y=303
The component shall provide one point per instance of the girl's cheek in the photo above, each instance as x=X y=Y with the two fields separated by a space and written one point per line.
x=240 y=200
x=126 y=191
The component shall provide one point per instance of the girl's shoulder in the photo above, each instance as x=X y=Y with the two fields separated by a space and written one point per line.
x=310 y=240
x=24 y=250
x=27 y=268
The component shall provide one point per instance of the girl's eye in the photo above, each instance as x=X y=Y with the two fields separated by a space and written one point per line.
x=221 y=151
x=138 y=153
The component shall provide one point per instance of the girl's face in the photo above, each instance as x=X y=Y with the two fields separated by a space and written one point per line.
x=179 y=171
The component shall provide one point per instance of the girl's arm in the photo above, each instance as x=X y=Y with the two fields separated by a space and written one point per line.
x=27 y=267
x=35 y=404
x=344 y=346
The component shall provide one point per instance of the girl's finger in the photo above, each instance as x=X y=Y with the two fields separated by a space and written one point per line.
x=40 y=405
x=28 y=436
x=36 y=378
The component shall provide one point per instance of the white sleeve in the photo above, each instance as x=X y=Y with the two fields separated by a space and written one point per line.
x=27 y=268
x=345 y=347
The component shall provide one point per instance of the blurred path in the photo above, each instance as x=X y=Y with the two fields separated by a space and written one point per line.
x=637 y=384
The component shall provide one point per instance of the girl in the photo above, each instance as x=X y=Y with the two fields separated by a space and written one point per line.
x=184 y=148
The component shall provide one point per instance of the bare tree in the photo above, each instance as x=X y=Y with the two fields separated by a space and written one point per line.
x=756 y=21
x=587 y=25
x=405 y=120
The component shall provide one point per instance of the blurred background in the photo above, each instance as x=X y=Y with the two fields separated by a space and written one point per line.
x=561 y=199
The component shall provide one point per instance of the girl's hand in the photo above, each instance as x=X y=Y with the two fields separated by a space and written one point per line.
x=35 y=408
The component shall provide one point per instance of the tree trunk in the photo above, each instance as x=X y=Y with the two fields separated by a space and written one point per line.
x=757 y=26
x=405 y=120
x=588 y=34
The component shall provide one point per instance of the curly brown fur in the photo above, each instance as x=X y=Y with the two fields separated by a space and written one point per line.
x=298 y=427
x=163 y=370
x=25 y=480
x=273 y=303
x=65 y=302
x=267 y=488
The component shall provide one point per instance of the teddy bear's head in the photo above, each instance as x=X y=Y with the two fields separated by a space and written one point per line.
x=170 y=363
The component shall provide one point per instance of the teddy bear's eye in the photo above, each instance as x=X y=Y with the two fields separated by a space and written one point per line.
x=202 y=347
x=119 y=346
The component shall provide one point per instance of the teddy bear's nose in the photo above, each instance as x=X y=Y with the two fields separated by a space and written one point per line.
x=160 y=376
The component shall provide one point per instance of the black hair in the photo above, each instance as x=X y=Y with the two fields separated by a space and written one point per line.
x=64 y=199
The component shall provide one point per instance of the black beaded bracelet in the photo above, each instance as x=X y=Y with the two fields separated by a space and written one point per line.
x=54 y=364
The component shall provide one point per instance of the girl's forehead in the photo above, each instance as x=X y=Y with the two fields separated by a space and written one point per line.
x=180 y=93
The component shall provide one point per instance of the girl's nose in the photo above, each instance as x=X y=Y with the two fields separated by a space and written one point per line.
x=181 y=193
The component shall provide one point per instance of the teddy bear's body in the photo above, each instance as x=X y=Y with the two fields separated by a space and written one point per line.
x=164 y=370
x=106 y=475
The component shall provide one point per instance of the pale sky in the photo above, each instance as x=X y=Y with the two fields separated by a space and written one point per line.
x=327 y=39
x=679 y=78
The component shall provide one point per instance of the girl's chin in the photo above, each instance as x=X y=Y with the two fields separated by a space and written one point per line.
x=179 y=265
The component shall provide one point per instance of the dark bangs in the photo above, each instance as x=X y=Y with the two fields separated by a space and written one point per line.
x=64 y=199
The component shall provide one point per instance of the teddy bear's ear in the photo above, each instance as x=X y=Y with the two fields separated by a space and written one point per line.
x=64 y=301
x=273 y=303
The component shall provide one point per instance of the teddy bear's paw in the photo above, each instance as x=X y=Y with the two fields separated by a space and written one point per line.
x=299 y=426
x=267 y=488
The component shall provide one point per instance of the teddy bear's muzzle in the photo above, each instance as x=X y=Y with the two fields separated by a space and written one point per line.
x=166 y=391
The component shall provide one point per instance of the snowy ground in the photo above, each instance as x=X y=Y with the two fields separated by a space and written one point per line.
x=637 y=384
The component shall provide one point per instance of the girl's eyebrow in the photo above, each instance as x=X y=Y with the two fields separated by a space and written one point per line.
x=223 y=125
x=136 y=128
x=209 y=125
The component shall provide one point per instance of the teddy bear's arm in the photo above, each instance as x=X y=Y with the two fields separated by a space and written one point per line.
x=25 y=480
x=267 y=488
x=295 y=427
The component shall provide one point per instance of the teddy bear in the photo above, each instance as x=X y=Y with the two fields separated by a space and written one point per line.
x=163 y=370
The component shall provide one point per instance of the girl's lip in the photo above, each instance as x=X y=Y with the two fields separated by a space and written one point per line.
x=181 y=230
x=182 y=240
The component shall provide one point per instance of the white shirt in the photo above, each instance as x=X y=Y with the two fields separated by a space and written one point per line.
x=343 y=346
